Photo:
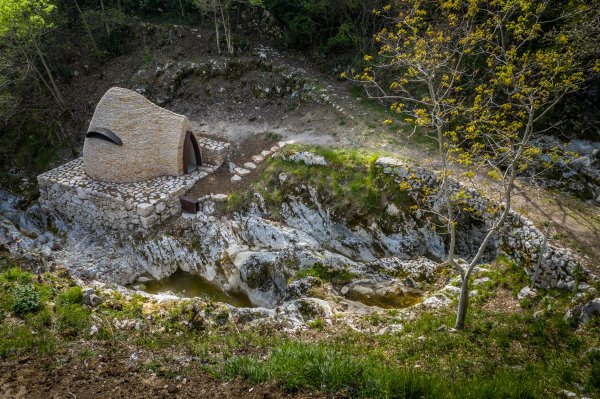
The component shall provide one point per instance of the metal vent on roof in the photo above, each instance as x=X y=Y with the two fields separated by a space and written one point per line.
x=104 y=134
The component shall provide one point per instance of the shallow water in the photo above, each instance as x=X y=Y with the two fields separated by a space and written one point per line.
x=193 y=286
x=398 y=301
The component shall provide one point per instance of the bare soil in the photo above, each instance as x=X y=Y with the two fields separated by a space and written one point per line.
x=503 y=303
x=113 y=377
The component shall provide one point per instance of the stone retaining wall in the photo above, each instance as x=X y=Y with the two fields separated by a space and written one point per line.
x=213 y=152
x=519 y=238
x=69 y=192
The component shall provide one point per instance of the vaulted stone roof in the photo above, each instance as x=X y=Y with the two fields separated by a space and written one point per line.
x=131 y=139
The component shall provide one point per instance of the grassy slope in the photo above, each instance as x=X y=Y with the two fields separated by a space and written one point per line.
x=349 y=186
x=504 y=352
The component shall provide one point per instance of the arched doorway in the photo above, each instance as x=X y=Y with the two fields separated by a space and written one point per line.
x=192 y=157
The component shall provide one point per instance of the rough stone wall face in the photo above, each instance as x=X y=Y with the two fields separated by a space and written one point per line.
x=519 y=238
x=213 y=152
x=153 y=139
x=70 y=193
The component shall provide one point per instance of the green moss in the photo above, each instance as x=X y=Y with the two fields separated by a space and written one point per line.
x=320 y=271
x=72 y=295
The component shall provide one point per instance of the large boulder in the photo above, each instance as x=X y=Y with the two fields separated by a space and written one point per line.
x=261 y=277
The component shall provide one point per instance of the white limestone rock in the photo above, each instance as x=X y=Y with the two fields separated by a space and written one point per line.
x=241 y=171
x=308 y=158
x=590 y=311
x=526 y=292
x=219 y=197
x=437 y=301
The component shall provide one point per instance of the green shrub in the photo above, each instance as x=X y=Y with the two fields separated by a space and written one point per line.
x=72 y=319
x=70 y=296
x=16 y=275
x=26 y=299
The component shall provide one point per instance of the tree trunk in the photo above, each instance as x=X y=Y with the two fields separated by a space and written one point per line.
x=463 y=303
x=217 y=27
x=56 y=92
x=104 y=18
x=227 y=29
x=508 y=188
x=87 y=27
x=181 y=8
x=44 y=81
x=443 y=154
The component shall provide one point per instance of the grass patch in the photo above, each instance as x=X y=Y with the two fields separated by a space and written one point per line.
x=349 y=186
x=503 y=353
x=499 y=357
x=297 y=366
x=320 y=271
x=71 y=296
x=331 y=368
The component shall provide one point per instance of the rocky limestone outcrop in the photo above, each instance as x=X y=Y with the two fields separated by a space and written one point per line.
x=252 y=253
x=519 y=236
x=573 y=167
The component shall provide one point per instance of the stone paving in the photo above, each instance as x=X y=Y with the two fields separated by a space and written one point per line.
x=238 y=172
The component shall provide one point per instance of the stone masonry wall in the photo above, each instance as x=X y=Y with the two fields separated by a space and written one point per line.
x=69 y=192
x=152 y=139
x=213 y=152
x=519 y=238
